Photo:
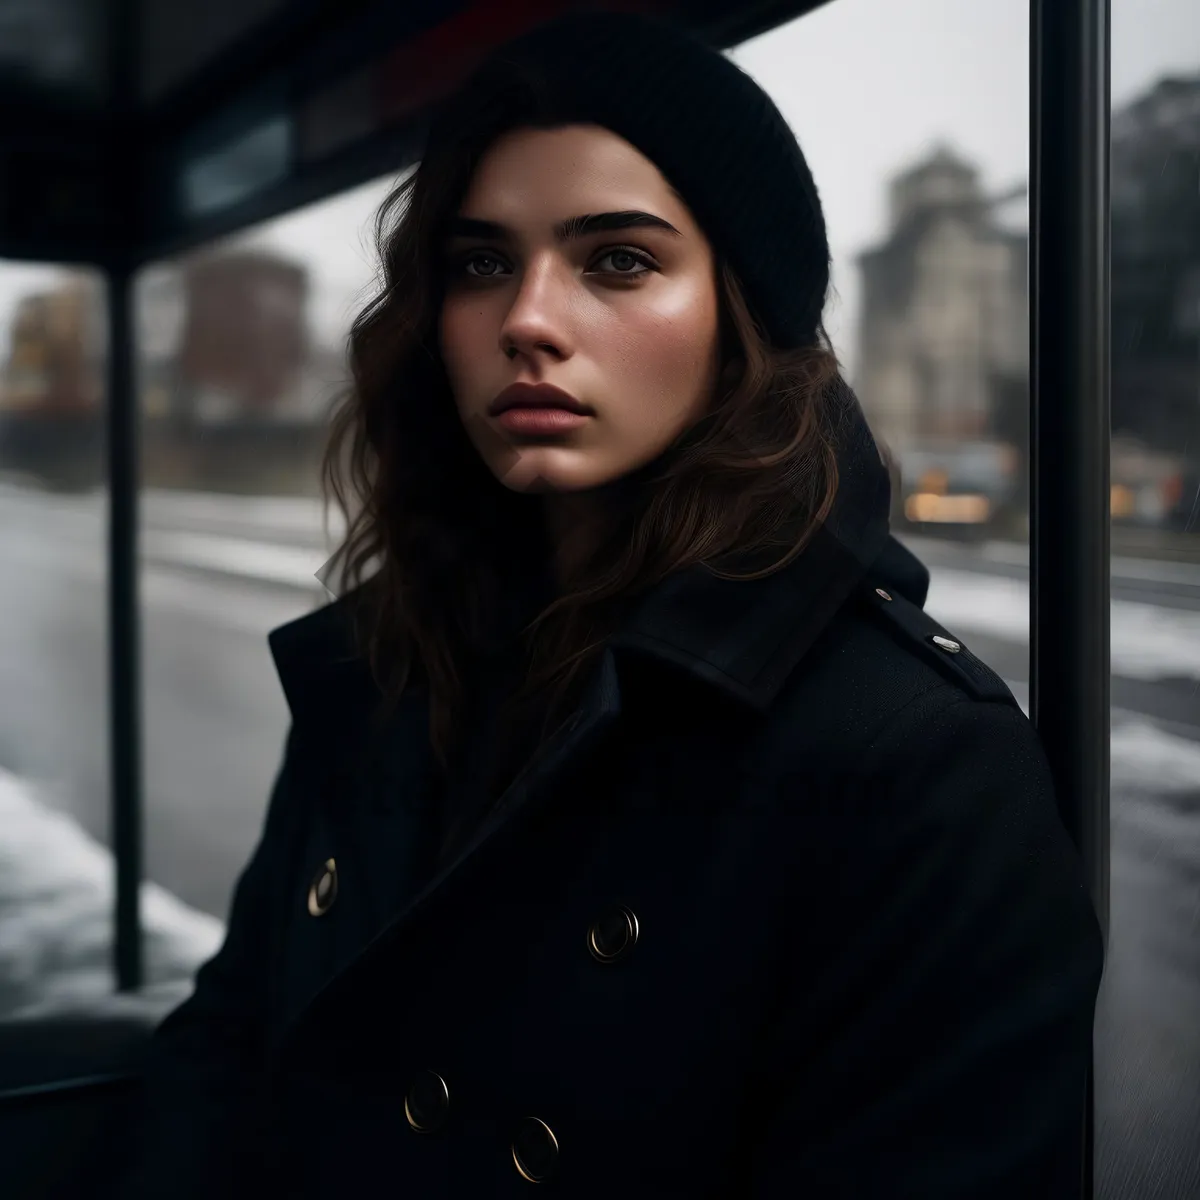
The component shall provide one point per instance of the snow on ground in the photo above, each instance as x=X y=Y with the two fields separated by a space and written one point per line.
x=56 y=917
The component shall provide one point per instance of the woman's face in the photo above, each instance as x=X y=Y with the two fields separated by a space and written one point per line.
x=573 y=264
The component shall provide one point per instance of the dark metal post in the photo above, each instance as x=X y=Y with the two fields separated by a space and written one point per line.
x=1069 y=367
x=123 y=481
x=124 y=647
x=1069 y=541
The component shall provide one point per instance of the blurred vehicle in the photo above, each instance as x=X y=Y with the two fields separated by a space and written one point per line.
x=1149 y=487
x=959 y=489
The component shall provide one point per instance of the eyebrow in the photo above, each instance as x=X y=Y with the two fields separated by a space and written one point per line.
x=571 y=228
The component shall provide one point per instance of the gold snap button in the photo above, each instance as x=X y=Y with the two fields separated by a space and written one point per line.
x=946 y=644
x=324 y=889
x=535 y=1150
x=881 y=592
x=613 y=935
x=427 y=1103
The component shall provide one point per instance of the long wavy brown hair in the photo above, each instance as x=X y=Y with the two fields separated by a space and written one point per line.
x=435 y=545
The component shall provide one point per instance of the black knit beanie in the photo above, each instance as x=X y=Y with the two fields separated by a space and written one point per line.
x=715 y=135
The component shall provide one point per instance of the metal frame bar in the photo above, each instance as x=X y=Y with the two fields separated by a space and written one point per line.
x=1069 y=590
x=1069 y=357
x=124 y=477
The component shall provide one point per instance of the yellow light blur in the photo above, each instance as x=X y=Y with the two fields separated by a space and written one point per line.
x=959 y=510
x=1123 y=502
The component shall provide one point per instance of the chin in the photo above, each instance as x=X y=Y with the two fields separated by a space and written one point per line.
x=546 y=470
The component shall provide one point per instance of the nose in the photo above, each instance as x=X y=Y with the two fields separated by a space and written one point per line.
x=536 y=324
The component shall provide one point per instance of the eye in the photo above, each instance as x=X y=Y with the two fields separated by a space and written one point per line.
x=626 y=260
x=490 y=266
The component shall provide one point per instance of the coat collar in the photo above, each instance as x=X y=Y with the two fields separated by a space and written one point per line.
x=742 y=637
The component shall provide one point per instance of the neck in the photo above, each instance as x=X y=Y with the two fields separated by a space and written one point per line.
x=574 y=526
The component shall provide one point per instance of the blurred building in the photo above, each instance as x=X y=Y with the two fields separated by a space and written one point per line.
x=1156 y=267
x=943 y=339
x=234 y=392
x=51 y=384
x=244 y=337
x=944 y=348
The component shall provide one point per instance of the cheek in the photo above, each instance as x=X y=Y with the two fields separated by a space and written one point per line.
x=460 y=335
x=673 y=353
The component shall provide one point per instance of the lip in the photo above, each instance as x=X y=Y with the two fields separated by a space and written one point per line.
x=536 y=396
x=540 y=422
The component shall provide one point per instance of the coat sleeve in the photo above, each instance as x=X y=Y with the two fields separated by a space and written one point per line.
x=938 y=1044
x=203 y=1131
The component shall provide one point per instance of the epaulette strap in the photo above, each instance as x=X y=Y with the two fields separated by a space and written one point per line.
x=945 y=650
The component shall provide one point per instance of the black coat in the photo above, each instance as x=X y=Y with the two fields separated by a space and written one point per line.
x=786 y=909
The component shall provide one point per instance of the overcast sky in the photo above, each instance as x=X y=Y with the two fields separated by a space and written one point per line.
x=868 y=85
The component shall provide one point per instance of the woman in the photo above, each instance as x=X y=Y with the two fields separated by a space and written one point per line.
x=637 y=830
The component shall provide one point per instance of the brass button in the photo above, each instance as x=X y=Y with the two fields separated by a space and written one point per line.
x=324 y=889
x=428 y=1102
x=946 y=644
x=881 y=592
x=613 y=935
x=535 y=1150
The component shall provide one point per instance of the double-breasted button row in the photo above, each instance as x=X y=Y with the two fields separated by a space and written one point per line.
x=427 y=1102
x=534 y=1146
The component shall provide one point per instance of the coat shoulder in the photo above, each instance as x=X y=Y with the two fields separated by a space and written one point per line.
x=881 y=659
x=928 y=645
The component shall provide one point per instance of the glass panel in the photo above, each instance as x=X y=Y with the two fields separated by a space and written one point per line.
x=242 y=351
x=55 y=870
x=1148 y=1051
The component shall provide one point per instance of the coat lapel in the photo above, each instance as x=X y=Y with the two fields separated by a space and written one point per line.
x=581 y=736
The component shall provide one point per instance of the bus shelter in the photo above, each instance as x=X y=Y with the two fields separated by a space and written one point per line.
x=139 y=129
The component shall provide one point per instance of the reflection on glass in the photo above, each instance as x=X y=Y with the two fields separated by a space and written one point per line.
x=252 y=161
